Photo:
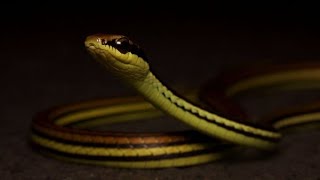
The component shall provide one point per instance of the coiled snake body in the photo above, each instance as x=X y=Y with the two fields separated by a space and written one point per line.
x=61 y=131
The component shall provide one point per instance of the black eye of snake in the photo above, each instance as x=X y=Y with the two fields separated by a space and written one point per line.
x=123 y=45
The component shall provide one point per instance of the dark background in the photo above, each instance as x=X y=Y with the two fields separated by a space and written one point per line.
x=44 y=63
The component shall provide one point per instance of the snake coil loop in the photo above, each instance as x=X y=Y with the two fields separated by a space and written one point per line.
x=63 y=131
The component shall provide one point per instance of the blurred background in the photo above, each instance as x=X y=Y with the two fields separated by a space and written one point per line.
x=44 y=63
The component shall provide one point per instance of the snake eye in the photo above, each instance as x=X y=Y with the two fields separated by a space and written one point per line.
x=123 y=45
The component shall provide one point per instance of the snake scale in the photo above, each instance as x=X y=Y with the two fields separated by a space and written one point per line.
x=218 y=128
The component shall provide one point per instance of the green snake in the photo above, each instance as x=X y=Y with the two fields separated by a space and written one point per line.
x=63 y=131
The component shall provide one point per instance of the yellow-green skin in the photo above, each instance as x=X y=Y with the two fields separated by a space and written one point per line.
x=134 y=71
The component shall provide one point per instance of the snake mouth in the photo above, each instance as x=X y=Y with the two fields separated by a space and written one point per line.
x=117 y=54
x=96 y=52
x=94 y=46
x=109 y=56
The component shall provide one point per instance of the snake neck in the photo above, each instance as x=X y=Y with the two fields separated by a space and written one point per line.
x=208 y=123
x=160 y=96
x=163 y=98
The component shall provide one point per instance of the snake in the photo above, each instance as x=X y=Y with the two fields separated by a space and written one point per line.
x=218 y=127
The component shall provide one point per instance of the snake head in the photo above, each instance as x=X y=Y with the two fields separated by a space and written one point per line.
x=119 y=55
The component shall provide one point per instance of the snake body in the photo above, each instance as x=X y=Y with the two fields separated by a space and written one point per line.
x=62 y=131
